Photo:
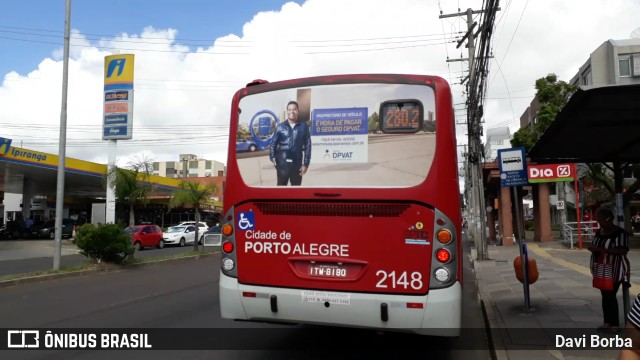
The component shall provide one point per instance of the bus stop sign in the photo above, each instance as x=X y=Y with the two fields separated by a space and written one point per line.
x=513 y=167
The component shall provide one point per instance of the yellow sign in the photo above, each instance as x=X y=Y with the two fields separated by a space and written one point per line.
x=118 y=72
x=5 y=144
x=44 y=160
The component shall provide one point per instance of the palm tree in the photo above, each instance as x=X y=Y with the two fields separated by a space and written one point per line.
x=196 y=195
x=131 y=184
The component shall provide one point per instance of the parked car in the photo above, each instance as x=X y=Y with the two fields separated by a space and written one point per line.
x=145 y=236
x=180 y=235
x=48 y=229
x=246 y=145
x=202 y=228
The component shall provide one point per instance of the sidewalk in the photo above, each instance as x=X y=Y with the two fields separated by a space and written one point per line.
x=562 y=301
x=33 y=248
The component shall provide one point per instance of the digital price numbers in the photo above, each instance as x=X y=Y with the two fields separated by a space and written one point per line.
x=401 y=116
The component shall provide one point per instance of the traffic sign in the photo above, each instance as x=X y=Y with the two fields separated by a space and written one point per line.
x=513 y=167
x=560 y=205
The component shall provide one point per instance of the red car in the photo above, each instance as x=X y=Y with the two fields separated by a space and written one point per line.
x=145 y=236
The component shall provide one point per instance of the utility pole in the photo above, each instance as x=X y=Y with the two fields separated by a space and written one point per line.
x=62 y=147
x=474 y=157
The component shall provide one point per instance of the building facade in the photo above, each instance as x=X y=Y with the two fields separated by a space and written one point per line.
x=614 y=62
x=195 y=167
x=497 y=139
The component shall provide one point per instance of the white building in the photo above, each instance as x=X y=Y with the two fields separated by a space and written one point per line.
x=497 y=139
x=195 y=167
x=614 y=62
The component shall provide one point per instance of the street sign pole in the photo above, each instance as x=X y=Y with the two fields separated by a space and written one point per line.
x=513 y=173
x=522 y=244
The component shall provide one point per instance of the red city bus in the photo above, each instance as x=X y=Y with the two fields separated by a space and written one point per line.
x=370 y=235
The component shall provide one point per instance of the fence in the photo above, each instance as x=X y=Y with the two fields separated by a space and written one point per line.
x=570 y=232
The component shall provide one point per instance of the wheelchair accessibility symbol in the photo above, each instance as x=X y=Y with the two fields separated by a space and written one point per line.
x=246 y=220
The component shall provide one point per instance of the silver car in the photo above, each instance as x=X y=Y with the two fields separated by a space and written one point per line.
x=179 y=235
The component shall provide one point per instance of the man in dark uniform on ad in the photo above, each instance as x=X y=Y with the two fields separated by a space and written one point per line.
x=290 y=148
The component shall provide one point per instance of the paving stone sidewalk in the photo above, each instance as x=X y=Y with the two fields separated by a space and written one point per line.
x=563 y=302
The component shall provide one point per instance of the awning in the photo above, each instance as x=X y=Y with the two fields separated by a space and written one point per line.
x=600 y=124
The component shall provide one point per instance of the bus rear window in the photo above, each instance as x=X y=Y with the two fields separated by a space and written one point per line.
x=337 y=135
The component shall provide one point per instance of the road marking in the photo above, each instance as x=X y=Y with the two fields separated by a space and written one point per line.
x=634 y=289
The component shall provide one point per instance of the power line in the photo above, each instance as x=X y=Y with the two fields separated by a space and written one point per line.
x=512 y=37
x=104 y=36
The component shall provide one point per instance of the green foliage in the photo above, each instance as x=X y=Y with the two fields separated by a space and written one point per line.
x=523 y=137
x=131 y=184
x=243 y=132
x=429 y=126
x=374 y=123
x=193 y=194
x=552 y=95
x=529 y=225
x=108 y=242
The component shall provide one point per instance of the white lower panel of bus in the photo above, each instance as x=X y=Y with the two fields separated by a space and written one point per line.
x=440 y=312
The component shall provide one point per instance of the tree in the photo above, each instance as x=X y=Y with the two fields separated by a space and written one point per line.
x=429 y=126
x=552 y=95
x=196 y=195
x=602 y=176
x=523 y=137
x=131 y=184
x=373 y=123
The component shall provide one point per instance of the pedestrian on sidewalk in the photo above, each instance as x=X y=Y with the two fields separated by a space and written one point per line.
x=610 y=245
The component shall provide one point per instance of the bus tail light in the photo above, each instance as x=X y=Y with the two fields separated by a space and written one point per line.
x=228 y=264
x=443 y=255
x=227 y=247
x=444 y=236
x=227 y=230
x=442 y=274
x=445 y=264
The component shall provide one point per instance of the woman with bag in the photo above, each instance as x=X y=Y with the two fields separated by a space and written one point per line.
x=609 y=266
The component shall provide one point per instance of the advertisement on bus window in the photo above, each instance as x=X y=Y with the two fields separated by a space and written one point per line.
x=337 y=135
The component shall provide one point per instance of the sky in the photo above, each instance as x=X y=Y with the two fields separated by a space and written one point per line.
x=193 y=55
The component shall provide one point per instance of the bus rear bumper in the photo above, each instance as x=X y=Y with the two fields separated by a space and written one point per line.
x=439 y=313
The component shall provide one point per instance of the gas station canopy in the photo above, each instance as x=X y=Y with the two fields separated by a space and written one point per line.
x=83 y=179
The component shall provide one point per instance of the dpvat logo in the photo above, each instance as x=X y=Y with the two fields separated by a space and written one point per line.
x=342 y=155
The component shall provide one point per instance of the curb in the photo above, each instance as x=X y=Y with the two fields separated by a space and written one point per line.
x=496 y=346
x=100 y=269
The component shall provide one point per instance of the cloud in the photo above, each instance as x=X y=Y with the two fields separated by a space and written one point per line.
x=183 y=89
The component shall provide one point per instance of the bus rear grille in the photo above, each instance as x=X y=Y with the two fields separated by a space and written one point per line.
x=319 y=209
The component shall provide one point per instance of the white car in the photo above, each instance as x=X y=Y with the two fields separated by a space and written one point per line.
x=179 y=235
x=202 y=227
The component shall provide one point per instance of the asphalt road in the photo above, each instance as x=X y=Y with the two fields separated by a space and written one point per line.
x=184 y=294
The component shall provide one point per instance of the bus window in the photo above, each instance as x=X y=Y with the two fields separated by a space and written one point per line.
x=349 y=144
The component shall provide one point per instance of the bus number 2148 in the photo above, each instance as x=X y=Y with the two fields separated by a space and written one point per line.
x=399 y=280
